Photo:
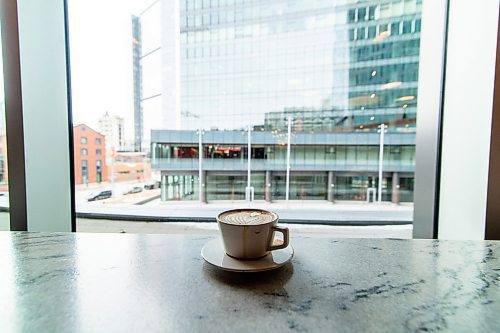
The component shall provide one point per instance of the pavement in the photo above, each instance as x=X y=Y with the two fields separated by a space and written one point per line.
x=110 y=226
x=309 y=230
x=340 y=213
x=147 y=206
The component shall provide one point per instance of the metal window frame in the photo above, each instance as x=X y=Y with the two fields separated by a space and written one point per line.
x=14 y=115
x=20 y=181
x=492 y=228
x=432 y=74
x=428 y=140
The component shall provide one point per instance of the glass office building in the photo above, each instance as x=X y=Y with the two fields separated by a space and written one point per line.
x=339 y=69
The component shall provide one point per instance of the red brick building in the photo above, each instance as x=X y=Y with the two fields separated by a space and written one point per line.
x=90 y=155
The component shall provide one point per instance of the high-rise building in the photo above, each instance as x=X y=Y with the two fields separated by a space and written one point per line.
x=112 y=127
x=340 y=69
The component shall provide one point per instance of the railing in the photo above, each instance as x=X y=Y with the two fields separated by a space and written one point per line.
x=279 y=165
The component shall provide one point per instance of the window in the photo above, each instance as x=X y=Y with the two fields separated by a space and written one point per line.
x=417 y=25
x=406 y=27
x=334 y=71
x=361 y=33
x=85 y=175
x=351 y=15
x=97 y=141
x=84 y=151
x=371 y=13
x=351 y=34
x=83 y=140
x=372 y=32
x=361 y=14
x=98 y=171
x=395 y=28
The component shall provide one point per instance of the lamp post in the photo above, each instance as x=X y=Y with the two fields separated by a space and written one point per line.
x=200 y=164
x=287 y=189
x=249 y=191
x=249 y=152
x=381 y=161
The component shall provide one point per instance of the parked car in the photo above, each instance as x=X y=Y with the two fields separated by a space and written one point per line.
x=135 y=189
x=152 y=186
x=99 y=195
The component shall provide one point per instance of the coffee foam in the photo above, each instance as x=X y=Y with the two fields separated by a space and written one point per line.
x=247 y=217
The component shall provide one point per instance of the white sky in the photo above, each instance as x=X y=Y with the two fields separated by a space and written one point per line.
x=101 y=59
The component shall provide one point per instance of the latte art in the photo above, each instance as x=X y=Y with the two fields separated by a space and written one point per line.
x=247 y=217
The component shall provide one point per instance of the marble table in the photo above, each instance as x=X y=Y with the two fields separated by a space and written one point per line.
x=62 y=282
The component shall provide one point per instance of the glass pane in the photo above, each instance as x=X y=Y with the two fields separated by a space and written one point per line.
x=341 y=71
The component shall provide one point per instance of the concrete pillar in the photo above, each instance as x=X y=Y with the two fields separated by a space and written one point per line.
x=175 y=187
x=183 y=186
x=395 y=188
x=203 y=180
x=331 y=186
x=164 y=187
x=267 y=186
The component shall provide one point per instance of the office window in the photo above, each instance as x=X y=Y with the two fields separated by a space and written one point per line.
x=84 y=151
x=361 y=14
x=97 y=141
x=98 y=152
x=407 y=27
x=351 y=15
x=417 y=25
x=372 y=32
x=371 y=12
x=395 y=28
x=83 y=140
x=361 y=32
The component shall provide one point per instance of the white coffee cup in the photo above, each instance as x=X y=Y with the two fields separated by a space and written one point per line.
x=249 y=233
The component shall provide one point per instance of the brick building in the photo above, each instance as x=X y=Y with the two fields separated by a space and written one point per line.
x=129 y=166
x=90 y=155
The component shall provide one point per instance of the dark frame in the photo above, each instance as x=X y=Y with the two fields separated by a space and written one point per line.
x=14 y=116
x=492 y=228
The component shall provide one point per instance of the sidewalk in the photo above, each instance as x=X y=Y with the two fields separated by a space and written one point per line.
x=322 y=212
x=197 y=228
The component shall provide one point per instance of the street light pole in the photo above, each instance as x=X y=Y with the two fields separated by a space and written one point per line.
x=287 y=190
x=200 y=164
x=249 y=152
x=380 y=162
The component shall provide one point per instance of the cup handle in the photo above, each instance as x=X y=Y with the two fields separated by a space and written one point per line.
x=284 y=231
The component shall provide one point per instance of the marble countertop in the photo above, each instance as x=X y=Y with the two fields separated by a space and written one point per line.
x=149 y=283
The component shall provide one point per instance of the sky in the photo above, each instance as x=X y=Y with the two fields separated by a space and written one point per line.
x=100 y=37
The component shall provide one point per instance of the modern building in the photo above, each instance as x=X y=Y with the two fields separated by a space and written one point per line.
x=112 y=127
x=339 y=69
x=324 y=166
x=90 y=155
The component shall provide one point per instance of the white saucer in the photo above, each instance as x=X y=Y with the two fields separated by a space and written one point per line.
x=213 y=253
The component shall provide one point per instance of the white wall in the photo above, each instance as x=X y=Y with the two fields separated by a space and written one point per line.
x=470 y=69
x=45 y=112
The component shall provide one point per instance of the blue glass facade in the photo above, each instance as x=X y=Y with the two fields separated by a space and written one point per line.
x=353 y=64
x=332 y=66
